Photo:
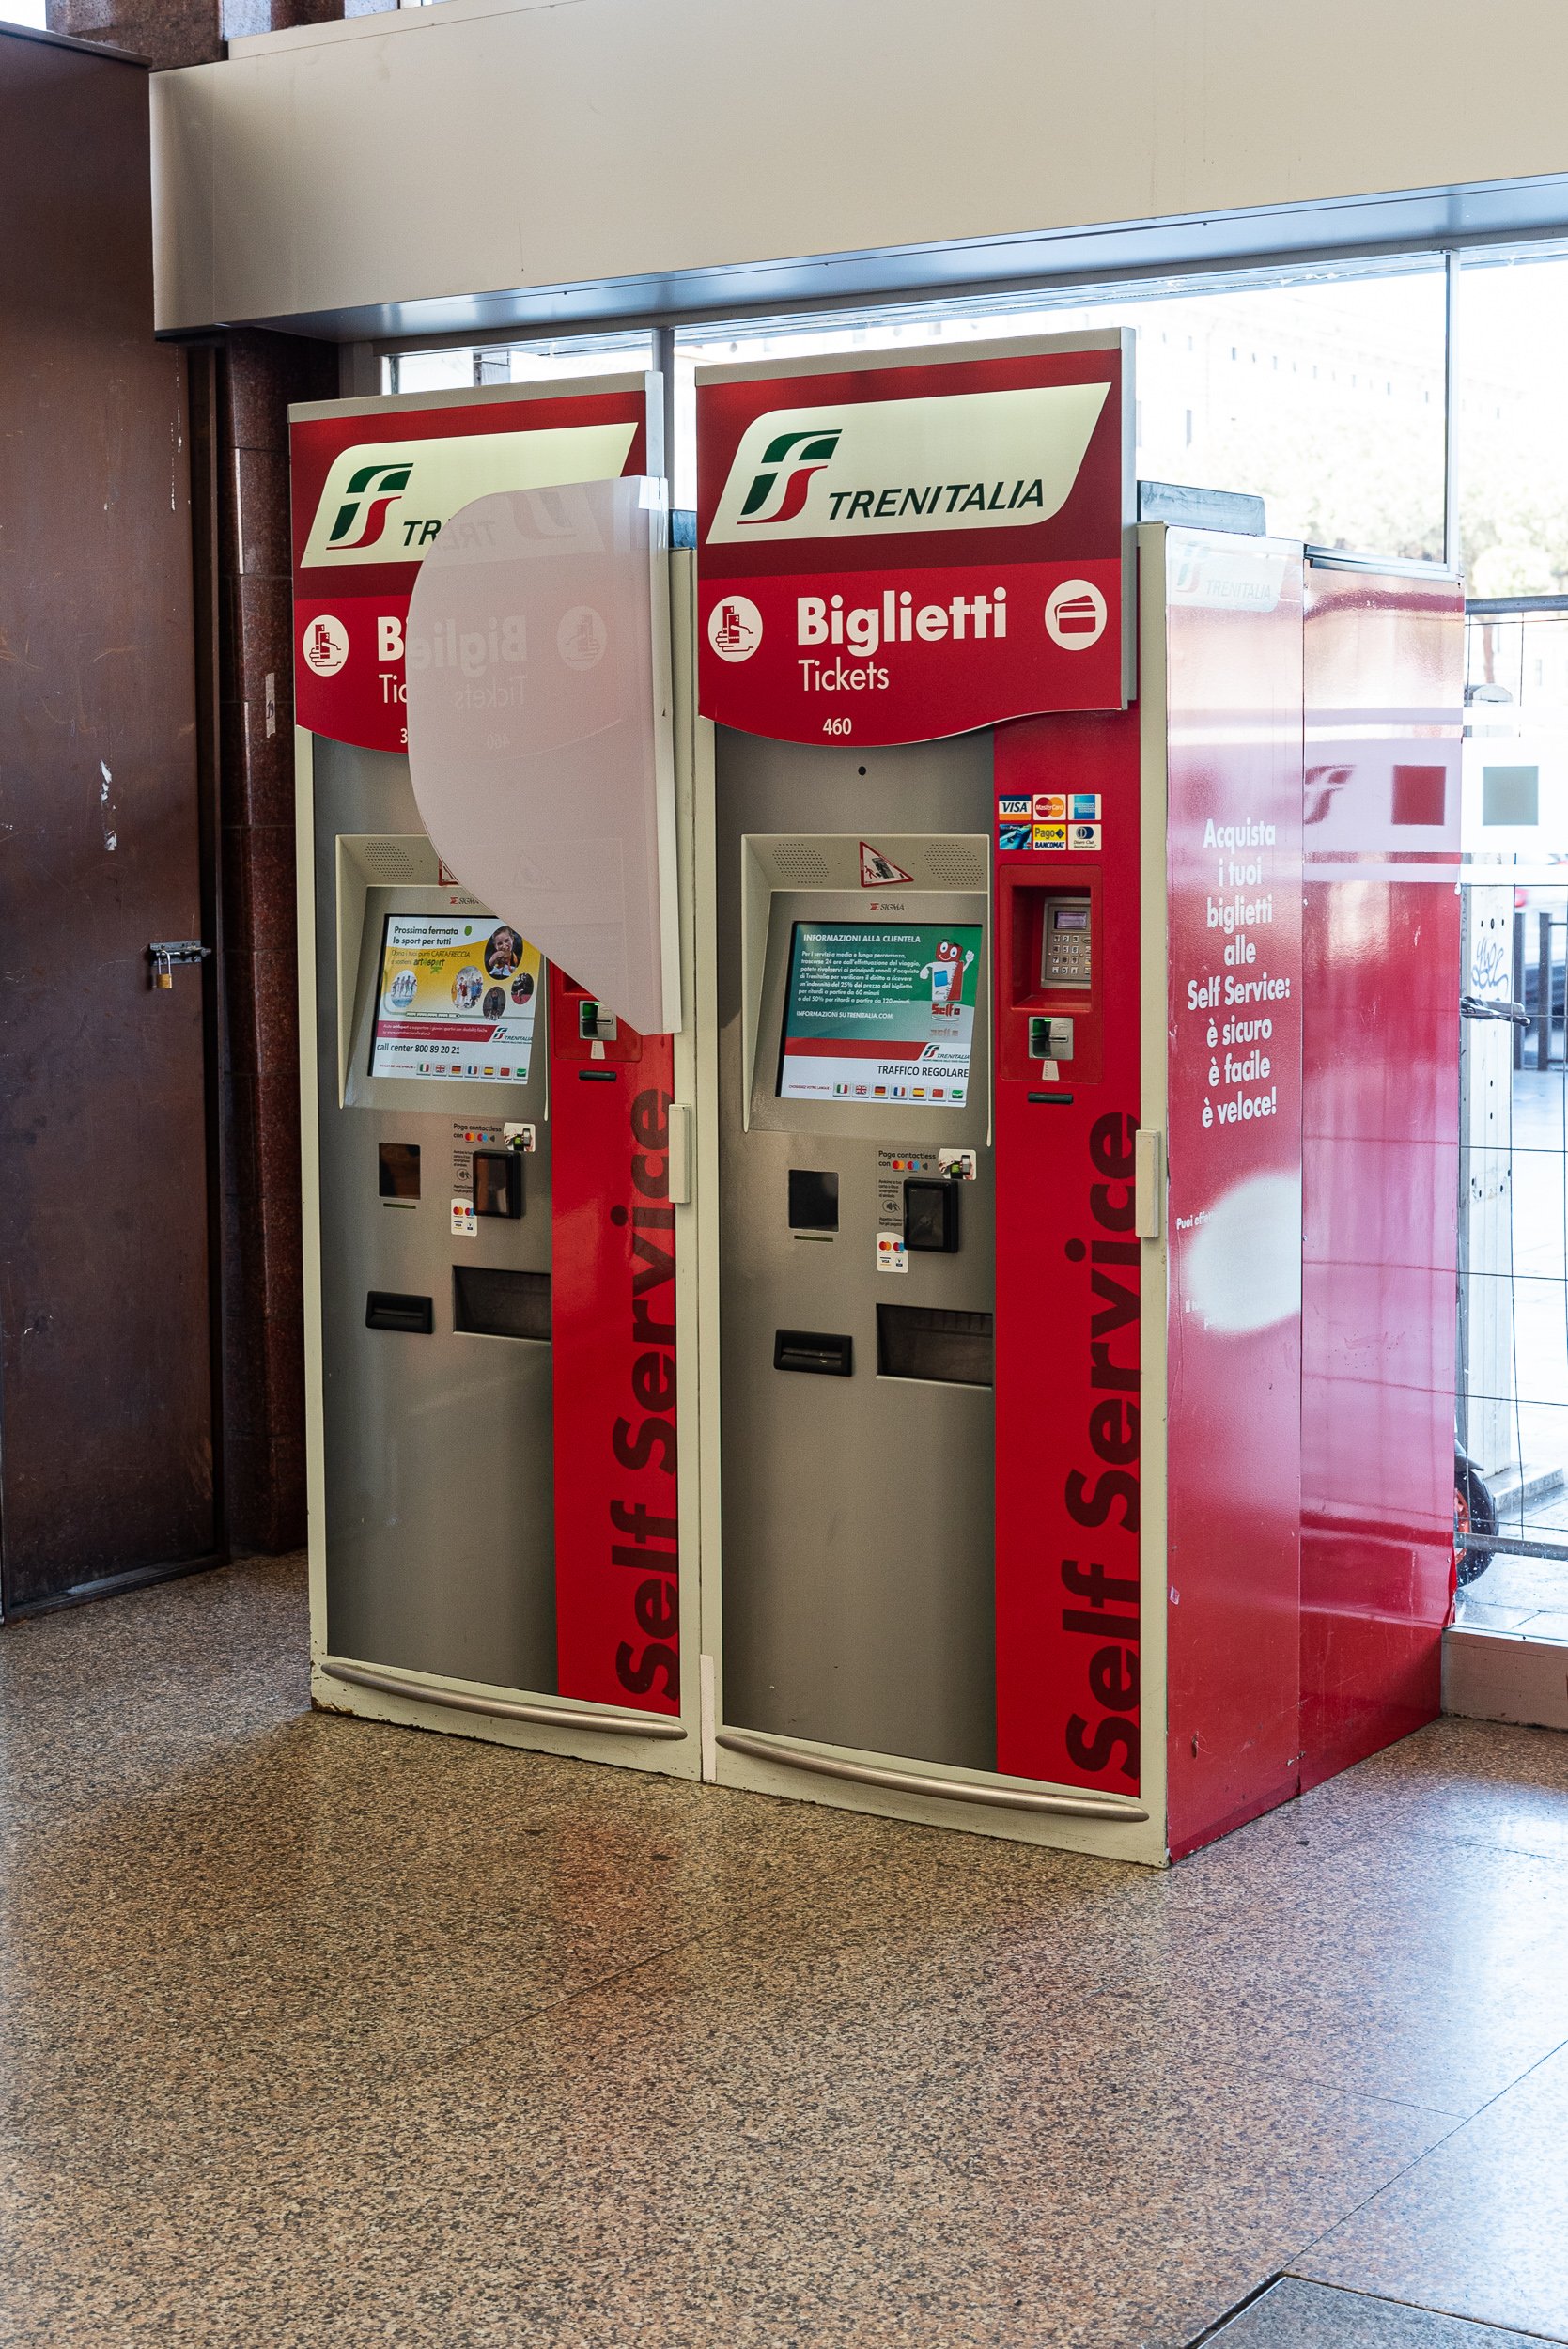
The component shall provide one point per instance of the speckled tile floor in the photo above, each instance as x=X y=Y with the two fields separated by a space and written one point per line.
x=316 y=2033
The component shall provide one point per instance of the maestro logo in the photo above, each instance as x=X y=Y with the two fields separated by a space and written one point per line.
x=961 y=460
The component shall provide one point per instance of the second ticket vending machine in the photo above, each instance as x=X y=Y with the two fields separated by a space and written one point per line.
x=1006 y=1108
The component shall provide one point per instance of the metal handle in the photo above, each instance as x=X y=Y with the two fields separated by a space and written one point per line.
x=913 y=1782
x=1480 y=1007
x=505 y=1708
x=1147 y=1184
x=681 y=1155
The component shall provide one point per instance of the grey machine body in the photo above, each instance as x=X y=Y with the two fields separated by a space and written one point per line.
x=858 y=1541
x=438 y=1536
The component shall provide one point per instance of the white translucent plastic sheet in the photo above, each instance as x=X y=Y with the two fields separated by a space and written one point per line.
x=539 y=734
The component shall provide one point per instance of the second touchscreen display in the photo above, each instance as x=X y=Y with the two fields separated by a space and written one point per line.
x=880 y=1011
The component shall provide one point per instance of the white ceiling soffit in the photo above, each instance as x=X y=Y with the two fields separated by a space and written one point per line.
x=1493 y=212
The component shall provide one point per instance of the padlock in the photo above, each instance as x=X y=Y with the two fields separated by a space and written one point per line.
x=163 y=971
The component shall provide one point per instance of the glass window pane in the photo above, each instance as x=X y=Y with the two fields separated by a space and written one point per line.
x=1512 y=361
x=1322 y=392
x=517 y=363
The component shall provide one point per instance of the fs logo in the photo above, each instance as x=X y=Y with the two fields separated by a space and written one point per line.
x=362 y=513
x=778 y=494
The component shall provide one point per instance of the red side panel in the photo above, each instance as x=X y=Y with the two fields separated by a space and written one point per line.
x=1233 y=636
x=1383 y=674
x=613 y=1300
x=1068 y=1405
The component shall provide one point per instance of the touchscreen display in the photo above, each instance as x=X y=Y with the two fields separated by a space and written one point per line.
x=455 y=996
x=880 y=1011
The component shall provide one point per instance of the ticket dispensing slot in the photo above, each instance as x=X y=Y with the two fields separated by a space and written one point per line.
x=1051 y=987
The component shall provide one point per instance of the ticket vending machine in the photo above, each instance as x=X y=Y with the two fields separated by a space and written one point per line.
x=1006 y=1177
x=491 y=1404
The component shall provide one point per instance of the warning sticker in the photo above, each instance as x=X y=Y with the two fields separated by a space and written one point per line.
x=876 y=870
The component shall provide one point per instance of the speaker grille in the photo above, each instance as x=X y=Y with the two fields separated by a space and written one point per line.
x=954 y=865
x=389 y=861
x=797 y=861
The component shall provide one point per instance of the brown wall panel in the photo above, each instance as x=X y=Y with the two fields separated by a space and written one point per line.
x=106 y=1420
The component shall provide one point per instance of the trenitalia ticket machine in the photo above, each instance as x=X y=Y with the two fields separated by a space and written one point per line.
x=1010 y=1409
x=1007 y=1185
x=492 y=1167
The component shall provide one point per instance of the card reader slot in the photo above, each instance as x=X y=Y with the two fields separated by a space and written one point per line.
x=489 y=1301
x=817 y=1350
x=927 y=1341
x=385 y=1310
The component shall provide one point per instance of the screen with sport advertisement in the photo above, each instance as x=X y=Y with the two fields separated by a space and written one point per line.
x=455 y=996
x=880 y=1011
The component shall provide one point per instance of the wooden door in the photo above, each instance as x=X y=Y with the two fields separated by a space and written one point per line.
x=107 y=1412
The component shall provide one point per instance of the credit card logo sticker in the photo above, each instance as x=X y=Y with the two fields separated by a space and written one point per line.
x=1051 y=835
x=1011 y=837
x=1016 y=804
x=1049 y=807
x=1084 y=836
x=1084 y=808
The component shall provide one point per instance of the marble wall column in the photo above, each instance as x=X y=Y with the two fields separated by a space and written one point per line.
x=257 y=377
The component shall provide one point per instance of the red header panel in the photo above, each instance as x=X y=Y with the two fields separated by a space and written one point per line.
x=371 y=490
x=890 y=553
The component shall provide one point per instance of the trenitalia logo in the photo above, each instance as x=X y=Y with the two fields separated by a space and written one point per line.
x=385 y=500
x=371 y=489
x=968 y=460
x=777 y=496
